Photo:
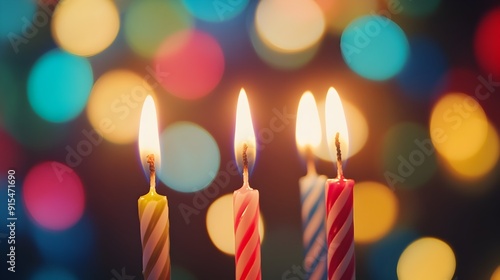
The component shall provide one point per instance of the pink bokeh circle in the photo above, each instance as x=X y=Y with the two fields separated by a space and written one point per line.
x=189 y=64
x=53 y=195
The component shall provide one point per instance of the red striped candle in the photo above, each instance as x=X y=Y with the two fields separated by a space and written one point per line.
x=339 y=197
x=340 y=228
x=246 y=199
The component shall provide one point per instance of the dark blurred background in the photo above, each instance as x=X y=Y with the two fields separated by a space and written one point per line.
x=73 y=76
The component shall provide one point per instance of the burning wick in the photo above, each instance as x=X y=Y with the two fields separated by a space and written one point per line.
x=245 y=164
x=152 y=173
x=340 y=173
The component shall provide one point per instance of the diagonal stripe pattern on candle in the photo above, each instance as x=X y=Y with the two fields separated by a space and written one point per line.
x=155 y=238
x=246 y=229
x=313 y=224
x=340 y=229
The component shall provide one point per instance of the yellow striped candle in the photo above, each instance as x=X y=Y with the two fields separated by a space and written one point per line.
x=153 y=207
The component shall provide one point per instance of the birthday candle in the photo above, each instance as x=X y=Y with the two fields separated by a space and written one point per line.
x=308 y=137
x=246 y=199
x=339 y=198
x=153 y=207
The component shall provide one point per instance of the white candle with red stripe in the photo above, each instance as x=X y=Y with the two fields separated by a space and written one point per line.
x=339 y=197
x=246 y=199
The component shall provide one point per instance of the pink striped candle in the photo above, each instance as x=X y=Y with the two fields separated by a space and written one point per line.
x=246 y=199
x=246 y=232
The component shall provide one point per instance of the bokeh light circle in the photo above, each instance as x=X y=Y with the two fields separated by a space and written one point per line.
x=215 y=11
x=54 y=196
x=59 y=85
x=487 y=42
x=374 y=47
x=289 y=26
x=342 y=12
x=148 y=23
x=409 y=158
x=52 y=273
x=220 y=224
x=191 y=64
x=356 y=124
x=190 y=157
x=376 y=209
x=479 y=164
x=423 y=73
x=454 y=119
x=427 y=258
x=85 y=27
x=114 y=106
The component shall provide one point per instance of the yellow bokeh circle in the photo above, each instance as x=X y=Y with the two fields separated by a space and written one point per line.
x=289 y=26
x=220 y=224
x=115 y=103
x=85 y=27
x=458 y=126
x=481 y=163
x=375 y=211
x=426 y=258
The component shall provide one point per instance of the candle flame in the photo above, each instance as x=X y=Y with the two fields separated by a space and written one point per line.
x=336 y=123
x=308 y=126
x=149 y=141
x=244 y=133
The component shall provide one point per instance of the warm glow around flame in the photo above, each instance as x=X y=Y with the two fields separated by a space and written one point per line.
x=336 y=122
x=308 y=126
x=149 y=141
x=244 y=133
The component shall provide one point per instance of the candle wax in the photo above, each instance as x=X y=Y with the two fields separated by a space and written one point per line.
x=155 y=237
x=246 y=231
x=340 y=228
